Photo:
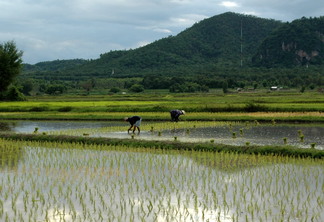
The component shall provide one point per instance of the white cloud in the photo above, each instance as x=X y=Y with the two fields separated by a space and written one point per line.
x=162 y=30
x=229 y=4
x=186 y=20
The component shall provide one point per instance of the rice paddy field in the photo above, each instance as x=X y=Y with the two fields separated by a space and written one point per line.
x=84 y=166
x=58 y=181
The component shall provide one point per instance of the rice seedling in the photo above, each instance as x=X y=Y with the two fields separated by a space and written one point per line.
x=149 y=127
x=60 y=181
x=301 y=137
x=285 y=140
x=241 y=132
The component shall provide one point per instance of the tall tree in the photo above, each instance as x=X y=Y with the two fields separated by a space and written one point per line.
x=10 y=64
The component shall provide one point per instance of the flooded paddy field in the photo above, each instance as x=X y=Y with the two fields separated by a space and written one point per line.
x=28 y=126
x=48 y=181
x=233 y=133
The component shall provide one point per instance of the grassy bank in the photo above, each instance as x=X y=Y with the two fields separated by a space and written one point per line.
x=210 y=147
x=165 y=116
x=154 y=105
x=155 y=102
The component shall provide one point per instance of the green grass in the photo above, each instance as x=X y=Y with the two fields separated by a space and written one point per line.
x=173 y=145
x=165 y=116
x=155 y=105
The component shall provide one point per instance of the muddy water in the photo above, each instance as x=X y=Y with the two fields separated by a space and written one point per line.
x=29 y=126
x=238 y=134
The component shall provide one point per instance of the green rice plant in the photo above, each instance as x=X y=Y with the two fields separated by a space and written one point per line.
x=158 y=186
x=285 y=140
x=313 y=145
x=301 y=137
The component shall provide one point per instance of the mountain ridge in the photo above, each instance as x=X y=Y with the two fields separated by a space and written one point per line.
x=224 y=41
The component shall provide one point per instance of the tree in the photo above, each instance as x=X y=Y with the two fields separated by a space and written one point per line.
x=14 y=94
x=225 y=87
x=27 y=86
x=55 y=89
x=136 y=88
x=10 y=64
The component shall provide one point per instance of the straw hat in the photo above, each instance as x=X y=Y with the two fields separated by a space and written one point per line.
x=183 y=112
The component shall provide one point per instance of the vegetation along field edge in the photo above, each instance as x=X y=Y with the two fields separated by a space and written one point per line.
x=165 y=116
x=173 y=145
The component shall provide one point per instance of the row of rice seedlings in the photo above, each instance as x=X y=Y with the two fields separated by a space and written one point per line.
x=149 y=127
x=110 y=184
x=248 y=125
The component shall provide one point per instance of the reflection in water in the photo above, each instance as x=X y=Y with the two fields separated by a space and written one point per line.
x=261 y=134
x=10 y=154
x=265 y=134
x=27 y=126
x=55 y=184
x=6 y=126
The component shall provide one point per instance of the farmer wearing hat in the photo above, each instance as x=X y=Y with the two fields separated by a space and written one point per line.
x=135 y=122
x=175 y=114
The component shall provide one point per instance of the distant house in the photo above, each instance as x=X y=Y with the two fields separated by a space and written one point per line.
x=274 y=88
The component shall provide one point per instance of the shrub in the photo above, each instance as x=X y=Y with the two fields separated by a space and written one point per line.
x=252 y=107
x=65 y=109
x=114 y=90
x=136 y=88
x=13 y=94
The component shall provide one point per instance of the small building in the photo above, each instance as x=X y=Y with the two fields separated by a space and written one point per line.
x=273 y=88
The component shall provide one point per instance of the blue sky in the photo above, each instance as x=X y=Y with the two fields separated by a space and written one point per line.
x=48 y=30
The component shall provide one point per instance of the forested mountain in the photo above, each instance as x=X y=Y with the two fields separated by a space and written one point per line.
x=230 y=48
x=54 y=65
x=209 y=44
x=298 y=43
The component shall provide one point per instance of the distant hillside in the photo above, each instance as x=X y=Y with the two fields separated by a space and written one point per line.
x=218 y=43
x=54 y=65
x=300 y=42
x=213 y=42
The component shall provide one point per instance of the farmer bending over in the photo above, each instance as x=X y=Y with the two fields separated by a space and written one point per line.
x=135 y=122
x=175 y=114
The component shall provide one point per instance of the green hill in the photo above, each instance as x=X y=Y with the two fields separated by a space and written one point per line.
x=240 y=50
x=213 y=43
x=299 y=43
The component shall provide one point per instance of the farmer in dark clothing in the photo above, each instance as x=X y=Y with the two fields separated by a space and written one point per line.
x=175 y=114
x=135 y=122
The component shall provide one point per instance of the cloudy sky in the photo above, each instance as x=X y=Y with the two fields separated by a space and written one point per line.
x=47 y=30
